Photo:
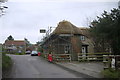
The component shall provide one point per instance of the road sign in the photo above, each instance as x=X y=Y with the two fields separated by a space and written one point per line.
x=42 y=31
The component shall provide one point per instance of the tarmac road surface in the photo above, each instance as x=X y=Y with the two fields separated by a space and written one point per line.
x=26 y=66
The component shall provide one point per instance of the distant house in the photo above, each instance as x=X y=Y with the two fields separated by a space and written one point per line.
x=68 y=39
x=15 y=46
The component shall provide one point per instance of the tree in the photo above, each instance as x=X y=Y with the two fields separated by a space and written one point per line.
x=26 y=40
x=2 y=8
x=40 y=49
x=38 y=43
x=106 y=31
x=28 y=44
x=10 y=38
x=3 y=1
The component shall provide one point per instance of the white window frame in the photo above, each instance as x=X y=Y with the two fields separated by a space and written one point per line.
x=82 y=37
x=66 y=49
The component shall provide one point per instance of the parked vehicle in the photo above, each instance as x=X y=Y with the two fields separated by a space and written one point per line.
x=34 y=53
x=28 y=52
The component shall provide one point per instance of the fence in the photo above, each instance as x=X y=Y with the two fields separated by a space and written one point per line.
x=59 y=57
x=44 y=56
x=62 y=57
x=107 y=60
x=91 y=56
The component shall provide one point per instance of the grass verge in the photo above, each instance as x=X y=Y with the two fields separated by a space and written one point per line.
x=6 y=62
x=111 y=73
x=19 y=53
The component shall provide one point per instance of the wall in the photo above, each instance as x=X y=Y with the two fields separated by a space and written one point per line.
x=76 y=46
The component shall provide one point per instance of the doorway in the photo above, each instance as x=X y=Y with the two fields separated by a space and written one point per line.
x=84 y=50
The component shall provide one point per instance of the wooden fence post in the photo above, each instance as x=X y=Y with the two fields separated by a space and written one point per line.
x=106 y=61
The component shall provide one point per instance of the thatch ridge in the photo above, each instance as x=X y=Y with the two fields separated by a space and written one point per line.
x=85 y=31
x=66 y=27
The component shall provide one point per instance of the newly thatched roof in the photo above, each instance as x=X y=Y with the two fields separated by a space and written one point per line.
x=65 y=27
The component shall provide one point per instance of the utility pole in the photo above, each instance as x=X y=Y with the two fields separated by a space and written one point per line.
x=48 y=34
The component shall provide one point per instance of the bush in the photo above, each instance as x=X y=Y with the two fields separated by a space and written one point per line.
x=110 y=73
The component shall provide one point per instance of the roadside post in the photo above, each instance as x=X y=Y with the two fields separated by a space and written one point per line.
x=39 y=53
x=113 y=63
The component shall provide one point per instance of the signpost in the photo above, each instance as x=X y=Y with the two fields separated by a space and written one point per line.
x=42 y=31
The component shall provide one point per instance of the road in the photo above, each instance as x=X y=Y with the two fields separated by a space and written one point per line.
x=26 y=66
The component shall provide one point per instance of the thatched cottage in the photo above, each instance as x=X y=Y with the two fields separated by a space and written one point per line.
x=68 y=39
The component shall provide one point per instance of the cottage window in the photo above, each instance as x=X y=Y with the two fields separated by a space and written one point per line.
x=82 y=37
x=67 y=48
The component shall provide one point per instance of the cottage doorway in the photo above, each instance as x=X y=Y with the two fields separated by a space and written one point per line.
x=84 y=50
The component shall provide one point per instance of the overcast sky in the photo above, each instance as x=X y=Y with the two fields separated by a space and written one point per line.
x=24 y=18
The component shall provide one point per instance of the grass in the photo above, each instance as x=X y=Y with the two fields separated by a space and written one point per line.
x=19 y=53
x=15 y=53
x=0 y=63
x=111 y=73
x=6 y=62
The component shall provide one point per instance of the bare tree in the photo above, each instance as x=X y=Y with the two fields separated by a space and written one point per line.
x=2 y=8
x=3 y=1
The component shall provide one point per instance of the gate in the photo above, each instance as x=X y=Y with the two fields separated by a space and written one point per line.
x=62 y=57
